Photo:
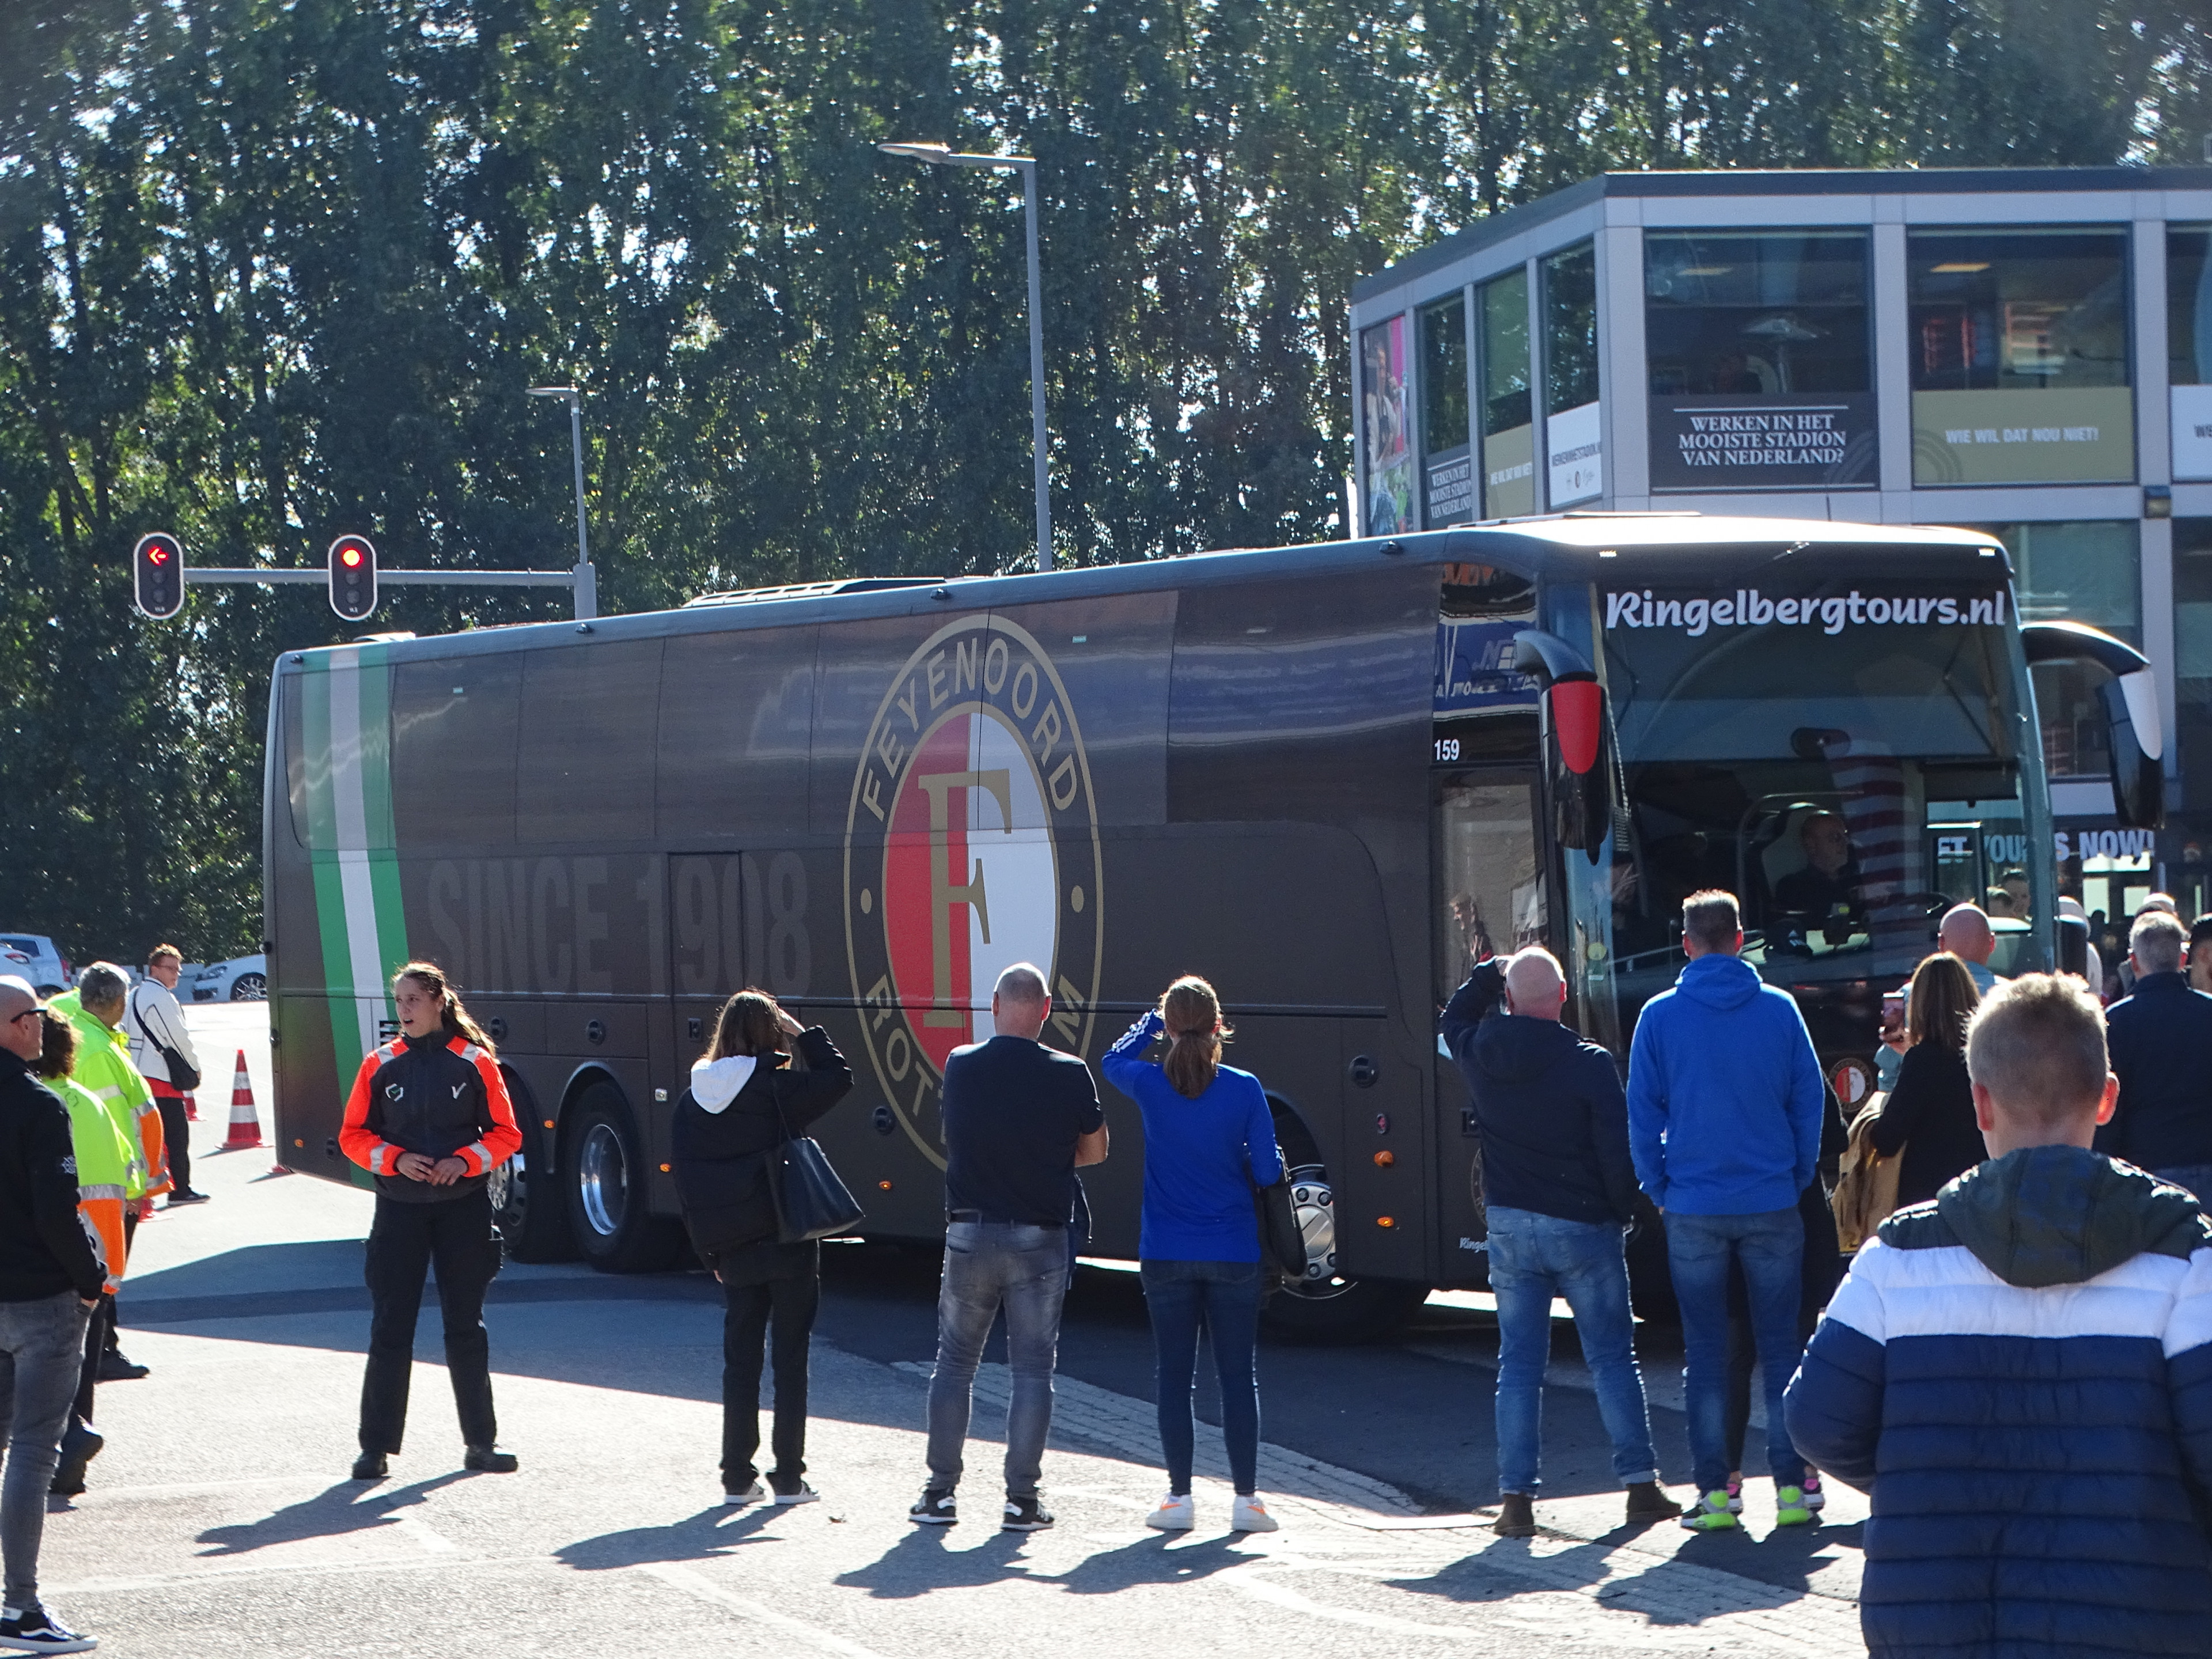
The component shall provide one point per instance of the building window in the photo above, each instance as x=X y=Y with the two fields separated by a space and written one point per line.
x=1386 y=500
x=2088 y=573
x=2189 y=349
x=2192 y=660
x=2019 y=357
x=1573 y=445
x=1447 y=460
x=1509 y=430
x=1758 y=351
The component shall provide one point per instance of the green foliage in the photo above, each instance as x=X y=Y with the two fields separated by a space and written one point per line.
x=271 y=270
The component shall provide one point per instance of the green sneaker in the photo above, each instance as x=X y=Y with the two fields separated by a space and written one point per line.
x=1791 y=1509
x=1711 y=1513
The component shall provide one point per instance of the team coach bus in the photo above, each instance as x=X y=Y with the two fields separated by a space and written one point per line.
x=1329 y=778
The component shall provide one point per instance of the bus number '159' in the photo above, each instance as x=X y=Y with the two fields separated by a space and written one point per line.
x=1447 y=749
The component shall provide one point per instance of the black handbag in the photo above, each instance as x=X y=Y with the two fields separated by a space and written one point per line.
x=810 y=1201
x=184 y=1076
x=1282 y=1243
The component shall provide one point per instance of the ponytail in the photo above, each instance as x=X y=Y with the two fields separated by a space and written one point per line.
x=1196 y=1031
x=452 y=1016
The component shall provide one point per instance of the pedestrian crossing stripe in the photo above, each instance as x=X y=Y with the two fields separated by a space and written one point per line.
x=351 y=843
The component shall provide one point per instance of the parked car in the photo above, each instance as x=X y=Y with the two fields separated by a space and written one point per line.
x=36 y=959
x=242 y=979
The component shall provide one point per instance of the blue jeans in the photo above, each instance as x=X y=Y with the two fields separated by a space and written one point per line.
x=1533 y=1259
x=1770 y=1248
x=41 y=1351
x=1224 y=1297
x=989 y=1265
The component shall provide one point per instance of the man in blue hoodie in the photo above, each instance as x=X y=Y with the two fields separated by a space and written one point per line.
x=1725 y=1098
x=1559 y=1189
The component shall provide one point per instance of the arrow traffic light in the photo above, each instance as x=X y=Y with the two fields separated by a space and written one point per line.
x=157 y=575
x=353 y=577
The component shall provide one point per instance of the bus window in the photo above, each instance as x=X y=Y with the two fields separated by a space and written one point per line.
x=1489 y=883
x=590 y=721
x=453 y=749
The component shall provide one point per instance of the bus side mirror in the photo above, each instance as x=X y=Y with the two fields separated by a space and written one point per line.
x=2129 y=700
x=2130 y=705
x=1577 y=739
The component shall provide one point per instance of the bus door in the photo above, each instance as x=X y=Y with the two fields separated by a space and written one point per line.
x=1488 y=899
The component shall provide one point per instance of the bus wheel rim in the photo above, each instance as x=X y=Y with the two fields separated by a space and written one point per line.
x=602 y=1180
x=1313 y=1201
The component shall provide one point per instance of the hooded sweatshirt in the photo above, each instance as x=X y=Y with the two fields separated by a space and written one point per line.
x=2020 y=1374
x=738 y=1109
x=1549 y=1105
x=1724 y=1094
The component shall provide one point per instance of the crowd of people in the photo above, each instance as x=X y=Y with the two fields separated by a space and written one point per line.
x=93 y=1087
x=2016 y=1364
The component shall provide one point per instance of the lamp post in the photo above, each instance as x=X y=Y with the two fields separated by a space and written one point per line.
x=587 y=582
x=944 y=157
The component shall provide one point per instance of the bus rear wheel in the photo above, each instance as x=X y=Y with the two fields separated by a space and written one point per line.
x=604 y=1176
x=1322 y=1306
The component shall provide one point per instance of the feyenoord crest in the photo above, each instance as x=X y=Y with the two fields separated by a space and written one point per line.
x=972 y=843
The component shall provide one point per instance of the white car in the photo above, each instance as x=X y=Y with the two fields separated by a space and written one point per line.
x=35 y=957
x=242 y=979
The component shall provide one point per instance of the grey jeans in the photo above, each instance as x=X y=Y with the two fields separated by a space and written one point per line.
x=988 y=1265
x=41 y=1352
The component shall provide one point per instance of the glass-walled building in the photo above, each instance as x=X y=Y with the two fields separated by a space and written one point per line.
x=2028 y=352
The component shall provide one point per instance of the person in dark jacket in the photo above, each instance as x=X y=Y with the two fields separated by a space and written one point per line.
x=1560 y=1189
x=1209 y=1138
x=748 y=1095
x=51 y=1279
x=430 y=1119
x=2020 y=1374
x=2161 y=1047
x=1929 y=1115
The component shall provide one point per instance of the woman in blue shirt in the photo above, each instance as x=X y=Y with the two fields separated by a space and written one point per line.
x=1208 y=1137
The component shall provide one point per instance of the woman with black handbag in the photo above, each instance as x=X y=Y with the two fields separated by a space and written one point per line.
x=1209 y=1139
x=761 y=1081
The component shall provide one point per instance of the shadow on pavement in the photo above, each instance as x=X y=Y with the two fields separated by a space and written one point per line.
x=1150 y=1561
x=331 y=1513
x=702 y=1537
x=923 y=1561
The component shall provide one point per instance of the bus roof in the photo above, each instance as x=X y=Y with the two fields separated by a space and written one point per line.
x=1562 y=544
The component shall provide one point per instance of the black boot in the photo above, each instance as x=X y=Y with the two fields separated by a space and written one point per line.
x=490 y=1460
x=370 y=1466
x=80 y=1443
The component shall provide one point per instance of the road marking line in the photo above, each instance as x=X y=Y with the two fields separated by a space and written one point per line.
x=705 y=1589
x=432 y=1542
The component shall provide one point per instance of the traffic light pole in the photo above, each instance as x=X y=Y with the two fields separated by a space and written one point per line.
x=582 y=585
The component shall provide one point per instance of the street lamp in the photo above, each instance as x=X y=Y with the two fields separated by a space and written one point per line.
x=587 y=581
x=944 y=157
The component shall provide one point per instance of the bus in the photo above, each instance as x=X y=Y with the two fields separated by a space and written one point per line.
x=1329 y=778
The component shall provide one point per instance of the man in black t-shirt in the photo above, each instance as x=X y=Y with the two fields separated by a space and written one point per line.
x=1019 y=1118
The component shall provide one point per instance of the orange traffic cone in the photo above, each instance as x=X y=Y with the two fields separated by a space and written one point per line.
x=245 y=1122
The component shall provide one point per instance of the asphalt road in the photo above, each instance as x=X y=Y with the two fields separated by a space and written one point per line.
x=220 y=1519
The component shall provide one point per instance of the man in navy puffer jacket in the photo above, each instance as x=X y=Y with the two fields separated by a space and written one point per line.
x=2020 y=1373
x=1724 y=1099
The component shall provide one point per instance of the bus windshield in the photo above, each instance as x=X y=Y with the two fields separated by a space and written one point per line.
x=1842 y=756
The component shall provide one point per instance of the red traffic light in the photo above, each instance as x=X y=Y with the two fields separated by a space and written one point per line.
x=157 y=575
x=353 y=577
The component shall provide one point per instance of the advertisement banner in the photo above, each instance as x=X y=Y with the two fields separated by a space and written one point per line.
x=2192 y=432
x=1509 y=472
x=1574 y=446
x=1387 y=502
x=2061 y=434
x=1451 y=487
x=1734 y=443
x=1472 y=671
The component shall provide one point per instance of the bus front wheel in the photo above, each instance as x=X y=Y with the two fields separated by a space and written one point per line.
x=1322 y=1305
x=525 y=1199
x=604 y=1176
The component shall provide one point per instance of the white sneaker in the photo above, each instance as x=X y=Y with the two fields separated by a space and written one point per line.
x=1250 y=1514
x=1173 y=1514
x=751 y=1494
